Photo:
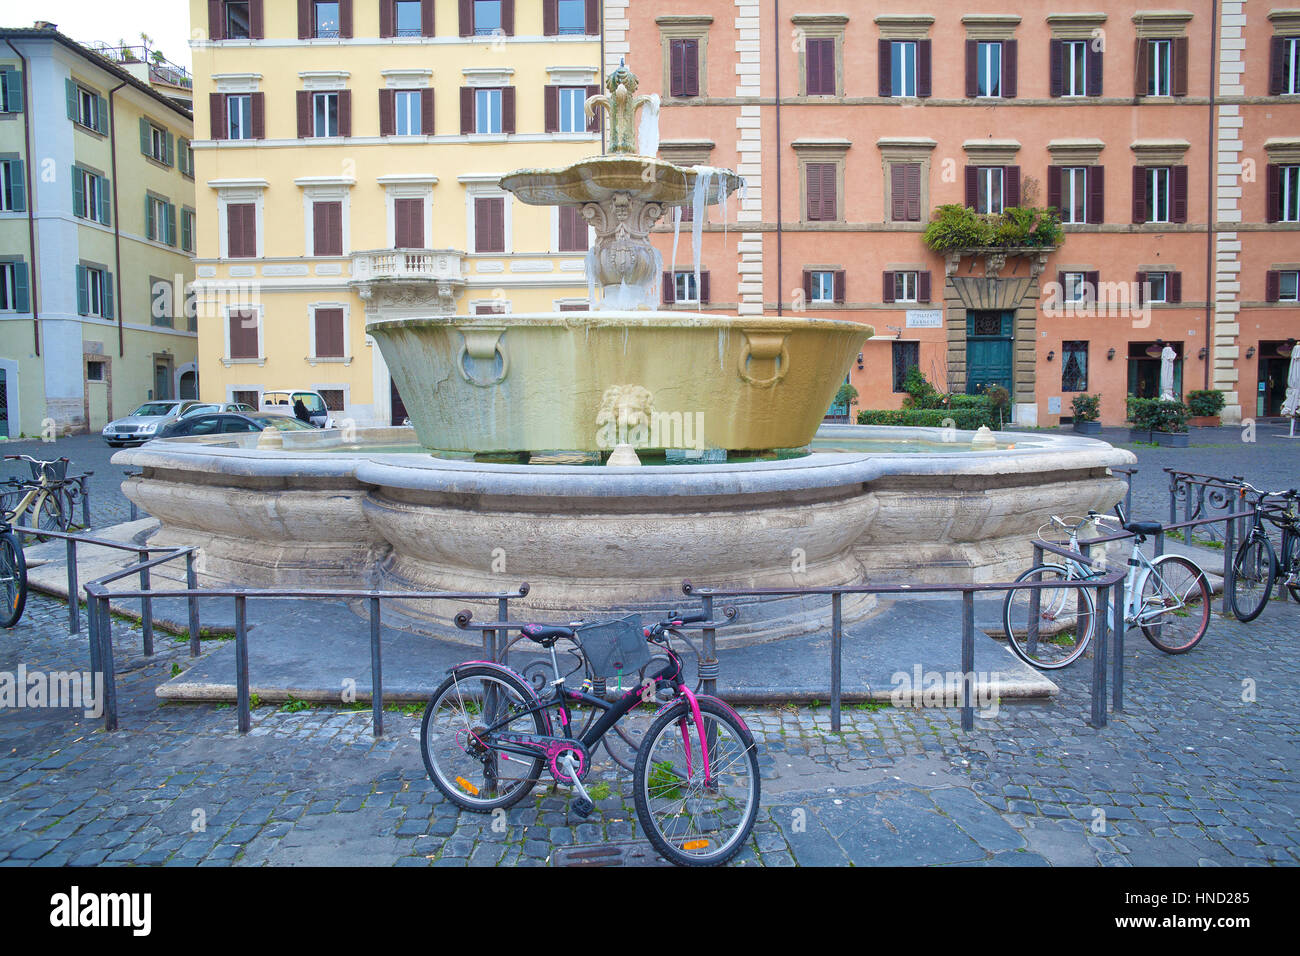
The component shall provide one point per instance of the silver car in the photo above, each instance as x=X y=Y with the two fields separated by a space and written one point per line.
x=236 y=408
x=145 y=422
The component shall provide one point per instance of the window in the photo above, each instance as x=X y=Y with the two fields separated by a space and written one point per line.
x=907 y=356
x=684 y=287
x=1074 y=366
x=329 y=333
x=1074 y=194
x=239 y=116
x=91 y=197
x=326 y=18
x=989 y=69
x=905 y=192
x=241 y=230
x=572 y=229
x=406 y=18
x=571 y=17
x=1285 y=72
x=334 y=400
x=1158 y=197
x=684 y=55
x=989 y=189
x=87 y=108
x=821 y=286
x=905 y=287
x=95 y=370
x=902 y=64
x=94 y=292
x=237 y=23
x=406 y=113
x=489 y=224
x=185 y=157
x=159 y=220
x=13 y=186
x=187 y=230
x=245 y=335
x=821 y=182
x=155 y=142
x=1074 y=68
x=408 y=223
x=1284 y=193
x=1157 y=287
x=1288 y=288
x=487 y=18
x=250 y=398
x=1075 y=286
x=14 y=296
x=325 y=114
x=487 y=111
x=11 y=90
x=327 y=228
x=1160 y=71
x=819 y=60
x=572 y=115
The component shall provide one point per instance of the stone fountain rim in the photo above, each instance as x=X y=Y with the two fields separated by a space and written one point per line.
x=652 y=319
x=571 y=176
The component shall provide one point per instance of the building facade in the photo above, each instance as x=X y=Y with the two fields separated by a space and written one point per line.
x=96 y=232
x=1169 y=139
x=349 y=170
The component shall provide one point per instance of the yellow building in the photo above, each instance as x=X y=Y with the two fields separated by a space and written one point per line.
x=351 y=166
x=96 y=231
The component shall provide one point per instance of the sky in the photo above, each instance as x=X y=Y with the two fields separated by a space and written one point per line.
x=167 y=22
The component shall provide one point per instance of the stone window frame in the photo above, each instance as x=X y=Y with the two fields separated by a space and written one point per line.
x=821 y=26
x=240 y=192
x=487 y=186
x=312 y=357
x=822 y=151
x=1161 y=24
x=226 y=358
x=684 y=28
x=904 y=26
x=1074 y=26
x=326 y=189
x=408 y=186
x=1160 y=152
x=1283 y=150
x=990 y=26
x=904 y=149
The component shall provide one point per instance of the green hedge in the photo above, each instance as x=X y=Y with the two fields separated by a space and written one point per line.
x=1205 y=402
x=1152 y=414
x=967 y=419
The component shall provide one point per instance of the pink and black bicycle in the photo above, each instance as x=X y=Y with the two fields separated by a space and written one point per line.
x=488 y=735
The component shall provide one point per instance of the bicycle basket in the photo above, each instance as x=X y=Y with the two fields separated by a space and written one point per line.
x=615 y=648
x=51 y=470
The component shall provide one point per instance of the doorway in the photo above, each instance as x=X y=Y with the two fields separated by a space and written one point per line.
x=189 y=384
x=1274 y=367
x=162 y=379
x=1144 y=370
x=989 y=351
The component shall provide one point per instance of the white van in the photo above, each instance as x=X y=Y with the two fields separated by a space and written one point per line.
x=285 y=401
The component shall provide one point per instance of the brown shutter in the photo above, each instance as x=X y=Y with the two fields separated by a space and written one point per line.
x=1175 y=288
x=550 y=18
x=235 y=231
x=508 y=109
x=1096 y=181
x=888 y=293
x=669 y=291
x=217 y=115
x=1273 y=193
x=924 y=68
x=972 y=68
x=593 y=18
x=329 y=333
x=1093 y=280
x=482 y=229
x=1010 y=69
x=304 y=19
x=216 y=20
x=923 y=287
x=508 y=17
x=426 y=111
x=830 y=201
x=885 y=74
x=426 y=18
x=676 y=68
x=551 y=108
x=1056 y=68
x=1095 y=85
x=249 y=226
x=408 y=231
x=705 y=296
x=898 y=192
x=813 y=186
x=972 y=187
x=597 y=116
x=387 y=28
x=1180 y=48
x=243 y=334
x=565 y=221
x=838 y=286
x=1142 y=67
x=1277 y=66
x=807 y=286
x=1060 y=281
x=1141 y=287
x=256 y=20
x=345 y=19
x=1139 y=194
x=320 y=225
x=913 y=183
x=466 y=110
x=812 y=59
x=692 y=73
x=258 y=109
x=466 y=10
x=497 y=208
x=387 y=107
x=1273 y=286
x=305 y=128
x=1054 y=187
x=1178 y=176
x=345 y=112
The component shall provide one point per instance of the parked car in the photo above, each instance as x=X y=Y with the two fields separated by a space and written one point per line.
x=216 y=409
x=145 y=422
x=229 y=423
x=303 y=404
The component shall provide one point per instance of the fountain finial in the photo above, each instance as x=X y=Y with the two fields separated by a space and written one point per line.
x=621 y=103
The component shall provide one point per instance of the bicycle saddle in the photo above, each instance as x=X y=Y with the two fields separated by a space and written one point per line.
x=545 y=634
x=1144 y=527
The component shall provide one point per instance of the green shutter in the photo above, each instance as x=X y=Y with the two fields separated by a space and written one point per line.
x=71 y=90
x=184 y=161
x=22 y=302
x=187 y=230
x=171 y=150
x=17 y=184
x=78 y=193
x=108 y=293
x=101 y=114
x=13 y=82
x=171 y=225
x=83 y=291
x=144 y=137
x=150 y=224
x=105 y=202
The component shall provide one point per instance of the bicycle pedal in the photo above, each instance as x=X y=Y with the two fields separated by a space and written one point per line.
x=582 y=806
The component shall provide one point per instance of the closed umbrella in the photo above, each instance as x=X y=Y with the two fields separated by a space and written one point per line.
x=1291 y=406
x=1167 y=358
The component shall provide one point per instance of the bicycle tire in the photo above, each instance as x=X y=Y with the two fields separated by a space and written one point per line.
x=450 y=765
x=1253 y=572
x=1188 y=589
x=13 y=580
x=624 y=741
x=68 y=502
x=1291 y=564
x=1061 y=647
x=660 y=806
x=47 y=510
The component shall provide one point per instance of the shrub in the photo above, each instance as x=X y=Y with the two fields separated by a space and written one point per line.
x=1152 y=414
x=846 y=396
x=1205 y=402
x=1087 y=408
x=920 y=393
x=967 y=419
x=958 y=227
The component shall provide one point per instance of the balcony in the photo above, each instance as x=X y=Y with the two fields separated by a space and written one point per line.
x=418 y=281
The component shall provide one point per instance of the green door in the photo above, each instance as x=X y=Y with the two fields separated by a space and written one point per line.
x=989 y=351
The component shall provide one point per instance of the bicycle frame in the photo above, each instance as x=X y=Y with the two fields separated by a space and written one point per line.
x=1140 y=569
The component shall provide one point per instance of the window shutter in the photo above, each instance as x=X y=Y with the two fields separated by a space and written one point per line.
x=813 y=187
x=1054 y=186
x=888 y=295
x=108 y=293
x=676 y=68
x=408 y=225
x=216 y=20
x=151 y=230
x=83 y=291
x=329 y=333
x=1273 y=195
x=550 y=18
x=1175 y=289
x=256 y=21
x=1180 y=47
x=217 y=115
x=101 y=114
x=597 y=117
x=830 y=199
x=812 y=66
x=183 y=156
x=171 y=225
x=345 y=112
x=508 y=109
x=258 y=110
x=145 y=139
x=923 y=287
x=249 y=227
x=1178 y=175
x=426 y=18
x=1060 y=281
x=1056 y=68
x=898 y=192
x=386 y=26
x=807 y=286
x=323 y=238
x=13 y=80
x=187 y=231
x=669 y=291
x=972 y=68
x=466 y=10
x=387 y=107
x=482 y=237
x=466 y=110
x=1141 y=74
x=1093 y=280
x=1272 y=286
x=304 y=19
x=972 y=187
x=497 y=208
x=885 y=74
x=913 y=183
x=705 y=297
x=1141 y=287
x=1096 y=181
x=1010 y=69
x=426 y=111
x=564 y=222
x=345 y=19
x=1139 y=194
x=105 y=202
x=305 y=126
x=508 y=17
x=22 y=291
x=243 y=335
x=1095 y=85
x=70 y=92
x=18 y=184
x=551 y=108
x=171 y=150
x=838 y=284
x=692 y=70
x=593 y=18
x=1276 y=66
x=924 y=59
x=78 y=193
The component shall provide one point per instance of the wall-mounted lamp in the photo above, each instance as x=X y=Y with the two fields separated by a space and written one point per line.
x=1250 y=352
x=1203 y=352
x=1110 y=356
x=860 y=365
x=1050 y=355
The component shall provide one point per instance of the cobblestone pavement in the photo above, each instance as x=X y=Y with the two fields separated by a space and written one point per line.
x=1199 y=769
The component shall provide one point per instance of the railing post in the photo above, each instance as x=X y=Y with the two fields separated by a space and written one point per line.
x=376 y=672
x=92 y=629
x=501 y=639
x=1229 y=556
x=709 y=663
x=146 y=608
x=192 y=584
x=837 y=649
x=109 y=689
x=1128 y=494
x=1035 y=607
x=85 y=501
x=967 y=660
x=74 y=595
x=241 y=664
x=1173 y=498
x=1099 y=658
x=1119 y=599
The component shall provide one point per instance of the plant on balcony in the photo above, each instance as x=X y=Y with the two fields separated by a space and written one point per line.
x=956 y=228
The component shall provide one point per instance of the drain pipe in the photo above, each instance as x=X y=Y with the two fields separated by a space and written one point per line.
x=776 y=53
x=117 y=219
x=33 y=286
x=1212 y=179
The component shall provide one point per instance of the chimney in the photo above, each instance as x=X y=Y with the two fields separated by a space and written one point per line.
x=45 y=25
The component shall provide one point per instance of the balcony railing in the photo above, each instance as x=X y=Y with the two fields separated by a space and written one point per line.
x=430 y=264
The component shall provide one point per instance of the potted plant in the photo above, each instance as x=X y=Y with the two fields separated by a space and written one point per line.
x=1087 y=412
x=1204 y=406
x=1154 y=420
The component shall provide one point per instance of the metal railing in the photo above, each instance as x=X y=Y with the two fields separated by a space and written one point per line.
x=1200 y=495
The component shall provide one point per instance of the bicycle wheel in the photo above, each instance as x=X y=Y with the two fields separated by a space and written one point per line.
x=48 y=509
x=693 y=820
x=1060 y=631
x=1252 y=577
x=624 y=741
x=68 y=502
x=13 y=580
x=455 y=741
x=1176 y=603
x=1290 y=572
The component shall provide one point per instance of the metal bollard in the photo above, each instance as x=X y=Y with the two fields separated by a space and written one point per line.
x=376 y=672
x=241 y=664
x=837 y=648
x=967 y=660
x=146 y=608
x=1119 y=599
x=106 y=664
x=1099 y=659
x=192 y=584
x=74 y=591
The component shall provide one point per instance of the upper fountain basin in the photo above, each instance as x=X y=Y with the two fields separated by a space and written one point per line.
x=602 y=178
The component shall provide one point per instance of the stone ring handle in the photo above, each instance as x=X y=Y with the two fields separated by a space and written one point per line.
x=484 y=344
x=765 y=345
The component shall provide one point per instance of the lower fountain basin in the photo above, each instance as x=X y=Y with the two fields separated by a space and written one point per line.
x=587 y=381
